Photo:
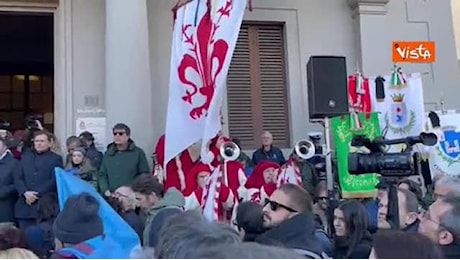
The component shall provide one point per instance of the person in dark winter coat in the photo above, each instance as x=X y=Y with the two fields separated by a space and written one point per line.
x=79 y=231
x=352 y=239
x=122 y=202
x=396 y=244
x=290 y=221
x=40 y=237
x=122 y=162
x=8 y=195
x=94 y=156
x=268 y=152
x=35 y=177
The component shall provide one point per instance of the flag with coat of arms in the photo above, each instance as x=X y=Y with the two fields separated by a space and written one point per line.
x=203 y=40
x=444 y=157
x=401 y=111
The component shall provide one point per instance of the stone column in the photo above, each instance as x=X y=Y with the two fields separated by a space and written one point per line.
x=373 y=47
x=128 y=80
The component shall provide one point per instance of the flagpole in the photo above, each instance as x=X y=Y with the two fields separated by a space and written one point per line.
x=329 y=173
x=224 y=181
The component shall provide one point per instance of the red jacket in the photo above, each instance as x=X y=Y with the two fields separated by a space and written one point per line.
x=172 y=176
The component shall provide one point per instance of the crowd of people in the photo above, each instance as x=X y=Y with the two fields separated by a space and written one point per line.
x=255 y=214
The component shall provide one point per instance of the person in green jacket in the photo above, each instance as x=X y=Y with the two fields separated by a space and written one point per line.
x=158 y=204
x=122 y=162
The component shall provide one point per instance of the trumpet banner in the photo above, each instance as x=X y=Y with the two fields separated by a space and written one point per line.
x=354 y=186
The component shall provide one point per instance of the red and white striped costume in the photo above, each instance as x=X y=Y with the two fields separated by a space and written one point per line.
x=257 y=187
x=218 y=199
x=290 y=173
x=235 y=175
x=194 y=192
x=177 y=170
x=359 y=98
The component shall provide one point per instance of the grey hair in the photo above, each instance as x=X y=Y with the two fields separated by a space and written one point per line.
x=450 y=219
x=183 y=234
x=450 y=181
x=247 y=250
x=142 y=253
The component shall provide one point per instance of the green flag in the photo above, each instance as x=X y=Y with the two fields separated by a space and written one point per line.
x=354 y=186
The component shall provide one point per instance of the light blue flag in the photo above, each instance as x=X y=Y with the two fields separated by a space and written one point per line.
x=115 y=228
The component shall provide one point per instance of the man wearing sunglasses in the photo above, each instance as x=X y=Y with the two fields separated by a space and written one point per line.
x=122 y=162
x=290 y=221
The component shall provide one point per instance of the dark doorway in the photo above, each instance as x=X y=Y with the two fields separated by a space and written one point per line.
x=26 y=68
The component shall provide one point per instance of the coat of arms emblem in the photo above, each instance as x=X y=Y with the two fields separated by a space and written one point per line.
x=398 y=111
x=449 y=144
x=400 y=120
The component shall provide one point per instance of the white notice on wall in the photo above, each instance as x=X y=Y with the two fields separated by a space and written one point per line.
x=96 y=126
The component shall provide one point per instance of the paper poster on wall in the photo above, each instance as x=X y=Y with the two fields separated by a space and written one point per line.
x=96 y=126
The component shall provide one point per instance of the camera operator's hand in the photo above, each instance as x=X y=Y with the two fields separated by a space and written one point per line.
x=39 y=125
x=31 y=197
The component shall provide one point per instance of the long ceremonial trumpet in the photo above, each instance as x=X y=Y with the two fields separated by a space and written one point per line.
x=229 y=151
x=304 y=149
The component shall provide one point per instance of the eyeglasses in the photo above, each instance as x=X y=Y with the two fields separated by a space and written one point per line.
x=274 y=206
x=121 y=195
x=119 y=133
x=426 y=215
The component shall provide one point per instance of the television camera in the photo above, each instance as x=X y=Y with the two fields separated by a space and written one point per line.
x=5 y=125
x=31 y=122
x=402 y=164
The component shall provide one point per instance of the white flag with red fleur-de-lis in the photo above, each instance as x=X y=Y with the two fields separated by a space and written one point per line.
x=204 y=38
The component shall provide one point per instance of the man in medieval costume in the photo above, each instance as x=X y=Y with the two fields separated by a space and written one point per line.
x=194 y=193
x=263 y=182
x=234 y=175
x=176 y=174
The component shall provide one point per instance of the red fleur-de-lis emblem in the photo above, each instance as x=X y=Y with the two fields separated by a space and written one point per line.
x=205 y=58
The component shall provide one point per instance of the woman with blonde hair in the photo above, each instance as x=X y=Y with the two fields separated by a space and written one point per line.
x=80 y=166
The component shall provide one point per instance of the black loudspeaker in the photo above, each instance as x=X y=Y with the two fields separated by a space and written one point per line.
x=327 y=86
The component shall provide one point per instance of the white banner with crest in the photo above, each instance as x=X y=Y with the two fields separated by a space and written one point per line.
x=401 y=110
x=445 y=156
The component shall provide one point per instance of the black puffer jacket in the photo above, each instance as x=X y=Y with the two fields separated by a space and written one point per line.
x=297 y=233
